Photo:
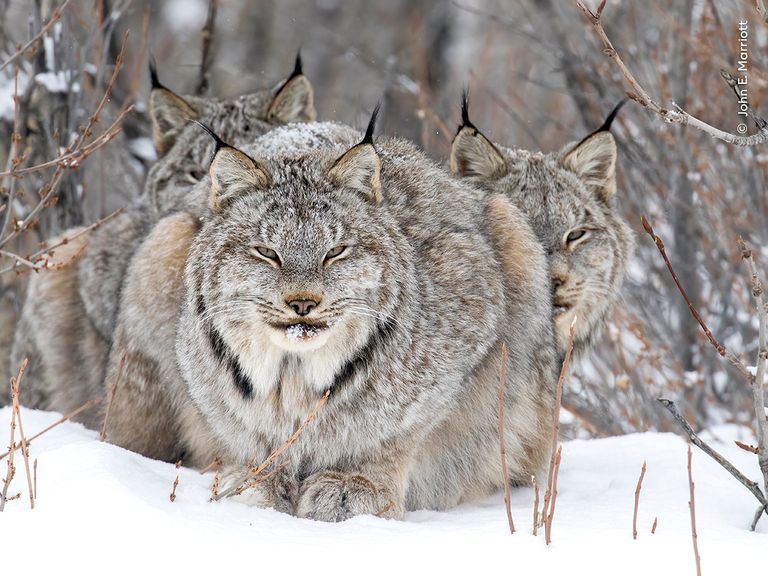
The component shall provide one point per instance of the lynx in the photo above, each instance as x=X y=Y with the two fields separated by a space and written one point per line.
x=69 y=314
x=568 y=199
x=330 y=263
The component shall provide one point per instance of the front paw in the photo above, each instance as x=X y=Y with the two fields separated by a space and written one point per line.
x=336 y=496
x=278 y=491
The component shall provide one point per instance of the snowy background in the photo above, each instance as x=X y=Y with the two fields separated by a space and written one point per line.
x=105 y=510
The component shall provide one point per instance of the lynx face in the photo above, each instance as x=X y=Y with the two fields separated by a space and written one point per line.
x=293 y=261
x=567 y=197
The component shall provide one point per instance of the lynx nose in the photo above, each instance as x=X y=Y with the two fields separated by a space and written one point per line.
x=557 y=281
x=303 y=307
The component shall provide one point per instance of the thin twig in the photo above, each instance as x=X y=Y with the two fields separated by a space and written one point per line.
x=753 y=487
x=112 y=393
x=48 y=190
x=87 y=406
x=678 y=115
x=255 y=472
x=747 y=447
x=551 y=513
x=215 y=486
x=215 y=463
x=34 y=468
x=502 y=447
x=15 y=383
x=721 y=349
x=757 y=383
x=550 y=494
x=55 y=17
x=637 y=501
x=173 y=490
x=692 y=507
x=11 y=469
x=556 y=427
x=203 y=82
x=47 y=251
x=655 y=524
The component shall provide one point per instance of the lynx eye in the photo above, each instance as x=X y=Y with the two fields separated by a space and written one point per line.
x=266 y=254
x=574 y=235
x=334 y=253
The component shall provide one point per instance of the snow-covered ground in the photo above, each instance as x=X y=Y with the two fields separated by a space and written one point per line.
x=103 y=510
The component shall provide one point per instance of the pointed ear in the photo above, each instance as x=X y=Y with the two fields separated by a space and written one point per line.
x=472 y=154
x=295 y=100
x=359 y=169
x=234 y=173
x=594 y=161
x=169 y=113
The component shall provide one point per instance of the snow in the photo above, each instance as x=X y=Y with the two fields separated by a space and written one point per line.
x=299 y=332
x=60 y=81
x=7 y=87
x=185 y=15
x=108 y=510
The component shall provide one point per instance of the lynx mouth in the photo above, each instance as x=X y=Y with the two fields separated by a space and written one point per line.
x=302 y=331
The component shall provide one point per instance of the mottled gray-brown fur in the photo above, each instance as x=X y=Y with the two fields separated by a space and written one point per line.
x=568 y=198
x=406 y=332
x=68 y=359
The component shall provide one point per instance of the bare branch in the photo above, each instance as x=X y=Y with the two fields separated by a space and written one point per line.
x=15 y=382
x=87 y=406
x=721 y=349
x=55 y=17
x=673 y=116
x=502 y=447
x=637 y=500
x=554 y=463
x=112 y=392
x=714 y=454
x=692 y=506
x=11 y=470
x=203 y=83
x=255 y=472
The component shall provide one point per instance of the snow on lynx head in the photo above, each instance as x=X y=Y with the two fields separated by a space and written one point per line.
x=568 y=199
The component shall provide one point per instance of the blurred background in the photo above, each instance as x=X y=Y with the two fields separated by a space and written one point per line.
x=539 y=79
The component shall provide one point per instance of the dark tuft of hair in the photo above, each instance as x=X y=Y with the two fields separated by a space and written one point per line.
x=465 y=121
x=153 y=73
x=368 y=138
x=298 y=67
x=606 y=127
x=219 y=142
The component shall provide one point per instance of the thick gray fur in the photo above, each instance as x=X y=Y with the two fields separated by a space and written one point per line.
x=433 y=285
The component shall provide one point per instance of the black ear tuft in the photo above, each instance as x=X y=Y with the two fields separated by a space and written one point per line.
x=368 y=138
x=465 y=121
x=219 y=142
x=606 y=127
x=297 y=67
x=153 y=73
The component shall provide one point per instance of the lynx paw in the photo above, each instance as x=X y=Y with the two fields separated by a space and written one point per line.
x=335 y=496
x=278 y=491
